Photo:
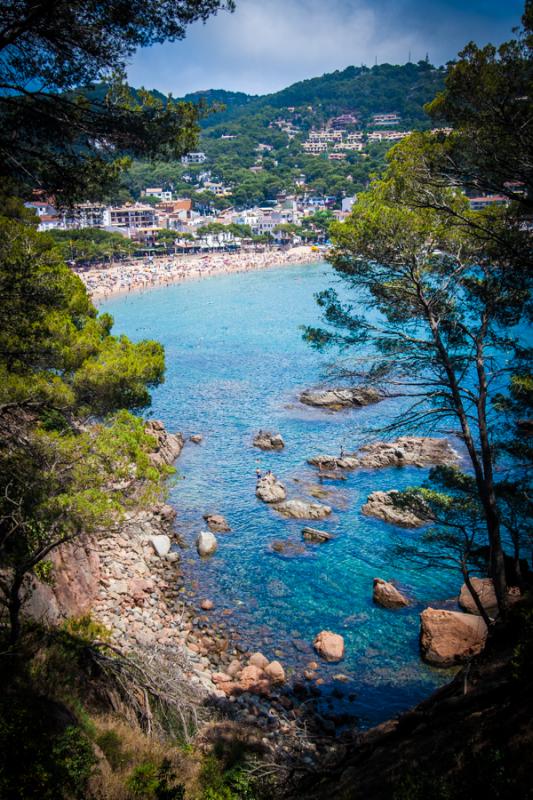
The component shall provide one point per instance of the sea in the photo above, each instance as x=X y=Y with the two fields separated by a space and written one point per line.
x=236 y=363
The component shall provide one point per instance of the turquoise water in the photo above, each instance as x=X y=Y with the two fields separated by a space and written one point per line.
x=236 y=363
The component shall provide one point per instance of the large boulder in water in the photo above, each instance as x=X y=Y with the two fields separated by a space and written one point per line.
x=206 y=543
x=418 y=451
x=387 y=595
x=330 y=646
x=335 y=399
x=381 y=505
x=316 y=536
x=450 y=637
x=487 y=595
x=217 y=523
x=266 y=440
x=269 y=489
x=301 y=509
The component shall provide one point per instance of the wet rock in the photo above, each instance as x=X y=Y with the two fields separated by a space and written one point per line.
x=330 y=646
x=316 y=536
x=269 y=489
x=206 y=543
x=381 y=505
x=417 y=451
x=196 y=438
x=217 y=523
x=275 y=672
x=387 y=595
x=207 y=605
x=266 y=440
x=450 y=637
x=161 y=544
x=301 y=509
x=287 y=548
x=336 y=399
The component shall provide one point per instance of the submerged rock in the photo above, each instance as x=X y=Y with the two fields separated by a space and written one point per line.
x=266 y=440
x=196 y=438
x=206 y=543
x=316 y=536
x=387 y=595
x=217 y=523
x=301 y=509
x=287 y=548
x=381 y=506
x=269 y=489
x=418 y=451
x=450 y=637
x=335 y=399
x=330 y=646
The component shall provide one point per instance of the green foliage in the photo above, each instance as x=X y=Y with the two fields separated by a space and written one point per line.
x=41 y=757
x=86 y=630
x=86 y=245
x=72 y=134
x=150 y=781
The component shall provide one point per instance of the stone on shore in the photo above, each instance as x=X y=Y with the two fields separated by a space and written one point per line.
x=196 y=438
x=301 y=509
x=258 y=660
x=206 y=543
x=485 y=590
x=266 y=440
x=161 y=544
x=316 y=536
x=381 y=505
x=450 y=637
x=418 y=451
x=336 y=399
x=168 y=446
x=275 y=672
x=217 y=523
x=387 y=595
x=207 y=605
x=269 y=489
x=330 y=646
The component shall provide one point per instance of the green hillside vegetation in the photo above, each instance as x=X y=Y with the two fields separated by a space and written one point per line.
x=307 y=105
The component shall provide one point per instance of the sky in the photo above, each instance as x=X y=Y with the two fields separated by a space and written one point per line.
x=266 y=45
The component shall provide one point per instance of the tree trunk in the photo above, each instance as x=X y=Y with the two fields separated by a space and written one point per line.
x=475 y=597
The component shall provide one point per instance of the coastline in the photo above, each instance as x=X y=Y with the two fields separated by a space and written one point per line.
x=105 y=282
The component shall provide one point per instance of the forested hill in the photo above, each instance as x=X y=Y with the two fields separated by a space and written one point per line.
x=385 y=87
x=255 y=146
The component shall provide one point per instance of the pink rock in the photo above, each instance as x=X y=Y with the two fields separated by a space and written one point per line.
x=450 y=637
x=330 y=646
x=234 y=668
x=250 y=677
x=387 y=595
x=275 y=672
x=220 y=677
x=258 y=660
x=207 y=605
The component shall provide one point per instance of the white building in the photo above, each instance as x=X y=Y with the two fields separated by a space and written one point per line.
x=194 y=158
x=158 y=192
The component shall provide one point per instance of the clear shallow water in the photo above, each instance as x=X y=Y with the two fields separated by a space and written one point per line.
x=236 y=363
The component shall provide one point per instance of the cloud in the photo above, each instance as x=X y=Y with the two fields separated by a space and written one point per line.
x=268 y=44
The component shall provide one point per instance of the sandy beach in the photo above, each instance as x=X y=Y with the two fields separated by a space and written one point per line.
x=105 y=281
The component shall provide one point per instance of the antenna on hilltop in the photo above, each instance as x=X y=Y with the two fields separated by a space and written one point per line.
x=376 y=61
x=427 y=58
x=409 y=59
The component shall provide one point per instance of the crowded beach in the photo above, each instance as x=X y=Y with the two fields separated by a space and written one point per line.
x=136 y=275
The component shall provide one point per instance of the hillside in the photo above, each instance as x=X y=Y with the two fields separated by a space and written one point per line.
x=254 y=145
